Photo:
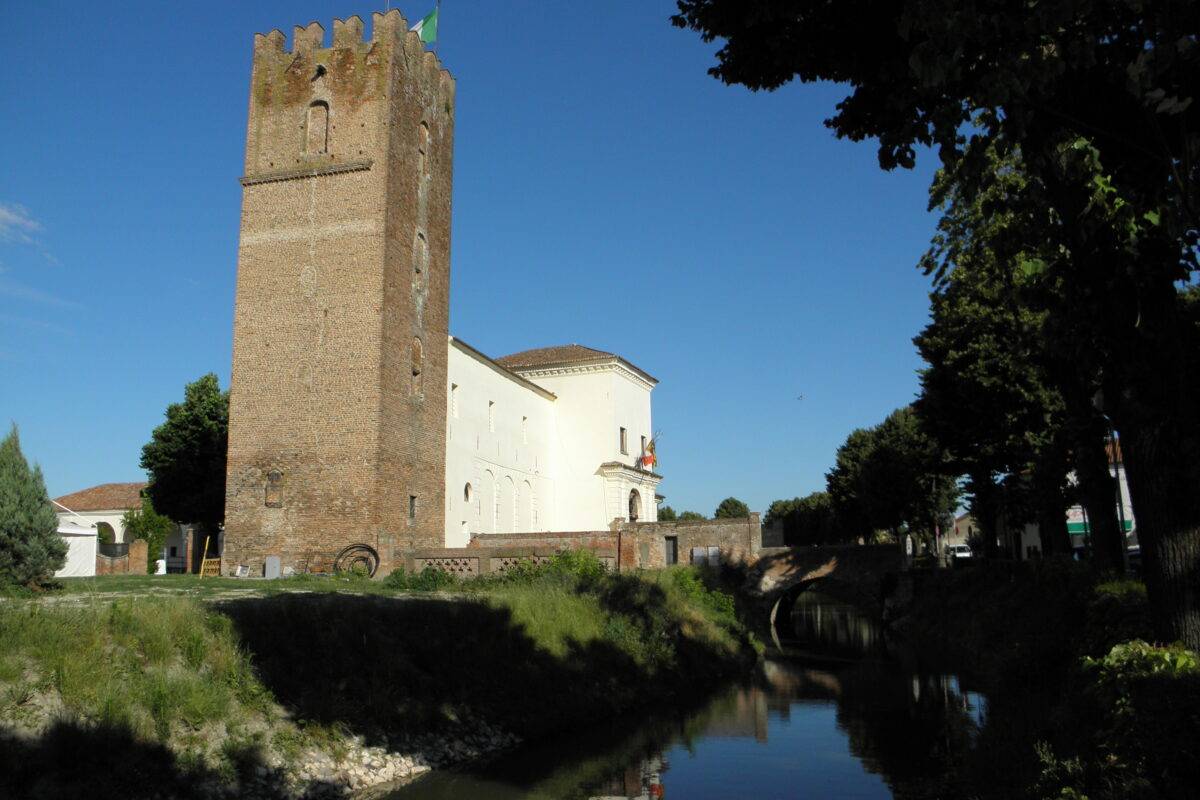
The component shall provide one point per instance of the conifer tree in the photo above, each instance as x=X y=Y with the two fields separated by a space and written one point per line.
x=31 y=550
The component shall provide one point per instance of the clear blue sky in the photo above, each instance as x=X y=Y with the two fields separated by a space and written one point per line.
x=607 y=192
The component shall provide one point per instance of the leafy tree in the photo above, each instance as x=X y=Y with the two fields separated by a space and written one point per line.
x=812 y=520
x=731 y=508
x=105 y=533
x=667 y=514
x=1099 y=99
x=31 y=550
x=146 y=523
x=1000 y=401
x=778 y=511
x=891 y=476
x=185 y=457
x=691 y=516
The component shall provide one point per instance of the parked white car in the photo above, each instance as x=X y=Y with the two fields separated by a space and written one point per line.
x=958 y=551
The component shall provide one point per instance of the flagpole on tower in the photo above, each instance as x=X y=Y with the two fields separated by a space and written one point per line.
x=437 y=8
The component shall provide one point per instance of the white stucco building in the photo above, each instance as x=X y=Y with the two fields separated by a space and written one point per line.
x=553 y=439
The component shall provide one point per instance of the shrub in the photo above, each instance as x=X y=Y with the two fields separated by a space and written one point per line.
x=431 y=579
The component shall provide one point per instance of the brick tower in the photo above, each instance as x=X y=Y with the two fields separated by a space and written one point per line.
x=337 y=415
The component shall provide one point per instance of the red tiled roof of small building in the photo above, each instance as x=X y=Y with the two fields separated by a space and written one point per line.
x=104 y=497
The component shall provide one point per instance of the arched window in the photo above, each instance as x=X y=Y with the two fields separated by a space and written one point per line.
x=525 y=518
x=467 y=494
x=316 y=128
x=422 y=148
x=420 y=253
x=418 y=363
x=635 y=505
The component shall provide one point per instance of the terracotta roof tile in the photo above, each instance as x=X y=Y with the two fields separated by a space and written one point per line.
x=105 y=496
x=559 y=354
x=563 y=355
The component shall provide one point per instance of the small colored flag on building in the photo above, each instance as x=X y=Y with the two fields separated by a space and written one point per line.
x=427 y=27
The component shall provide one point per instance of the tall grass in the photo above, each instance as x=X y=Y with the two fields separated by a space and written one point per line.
x=152 y=666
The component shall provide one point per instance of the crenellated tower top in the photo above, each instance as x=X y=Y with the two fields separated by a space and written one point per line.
x=307 y=103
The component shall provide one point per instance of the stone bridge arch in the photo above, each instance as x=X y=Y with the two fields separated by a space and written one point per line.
x=866 y=575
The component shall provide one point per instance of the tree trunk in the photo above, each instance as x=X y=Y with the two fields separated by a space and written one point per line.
x=984 y=509
x=1098 y=495
x=1049 y=491
x=1164 y=494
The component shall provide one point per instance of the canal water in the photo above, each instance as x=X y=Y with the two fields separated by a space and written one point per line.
x=837 y=710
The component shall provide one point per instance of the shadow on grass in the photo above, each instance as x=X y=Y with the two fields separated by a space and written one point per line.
x=102 y=763
x=389 y=668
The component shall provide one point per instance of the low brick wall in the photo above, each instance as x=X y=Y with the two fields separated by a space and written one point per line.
x=481 y=560
x=644 y=544
x=132 y=563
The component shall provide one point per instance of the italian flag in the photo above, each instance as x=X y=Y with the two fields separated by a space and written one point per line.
x=427 y=27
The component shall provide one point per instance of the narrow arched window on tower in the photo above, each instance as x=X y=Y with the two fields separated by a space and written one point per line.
x=418 y=358
x=422 y=148
x=317 y=128
x=420 y=253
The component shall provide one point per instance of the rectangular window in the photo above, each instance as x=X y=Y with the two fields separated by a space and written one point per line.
x=454 y=400
x=174 y=551
x=643 y=445
x=671 y=550
x=412 y=507
x=624 y=441
x=491 y=416
x=524 y=430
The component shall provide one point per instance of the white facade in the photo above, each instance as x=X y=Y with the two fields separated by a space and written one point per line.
x=81 y=551
x=539 y=447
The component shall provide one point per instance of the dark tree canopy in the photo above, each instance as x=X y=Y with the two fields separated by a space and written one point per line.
x=731 y=508
x=31 y=550
x=1099 y=100
x=891 y=476
x=691 y=516
x=667 y=514
x=185 y=457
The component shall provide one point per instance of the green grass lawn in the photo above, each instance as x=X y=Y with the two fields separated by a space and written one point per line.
x=195 y=586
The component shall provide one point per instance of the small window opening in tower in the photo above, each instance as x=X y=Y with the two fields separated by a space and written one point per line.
x=412 y=507
x=624 y=442
x=422 y=147
x=320 y=72
x=418 y=358
x=467 y=493
x=317 y=128
x=274 y=489
x=422 y=253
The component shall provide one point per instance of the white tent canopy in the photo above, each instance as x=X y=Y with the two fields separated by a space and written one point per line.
x=81 y=551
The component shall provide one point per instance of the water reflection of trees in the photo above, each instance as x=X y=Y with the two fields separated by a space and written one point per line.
x=922 y=732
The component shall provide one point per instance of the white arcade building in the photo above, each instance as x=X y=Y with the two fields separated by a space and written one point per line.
x=553 y=439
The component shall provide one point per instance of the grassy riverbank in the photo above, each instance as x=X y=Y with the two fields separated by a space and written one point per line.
x=132 y=692
x=1080 y=706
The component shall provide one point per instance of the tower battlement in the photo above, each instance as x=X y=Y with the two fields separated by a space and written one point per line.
x=387 y=29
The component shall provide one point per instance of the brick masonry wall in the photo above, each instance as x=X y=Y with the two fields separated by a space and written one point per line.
x=132 y=563
x=337 y=402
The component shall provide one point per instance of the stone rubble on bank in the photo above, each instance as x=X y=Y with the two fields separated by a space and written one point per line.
x=366 y=770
